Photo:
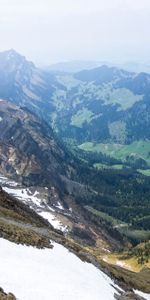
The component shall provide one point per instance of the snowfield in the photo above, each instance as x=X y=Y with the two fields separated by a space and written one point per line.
x=34 y=201
x=56 y=274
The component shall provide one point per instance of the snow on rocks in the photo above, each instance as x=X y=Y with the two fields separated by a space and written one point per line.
x=25 y=195
x=50 y=217
x=34 y=200
x=59 y=206
x=5 y=180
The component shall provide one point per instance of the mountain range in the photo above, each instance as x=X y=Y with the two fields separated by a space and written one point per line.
x=77 y=66
x=72 y=148
x=104 y=109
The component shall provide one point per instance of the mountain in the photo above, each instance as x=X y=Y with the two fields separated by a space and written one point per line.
x=105 y=106
x=103 y=100
x=102 y=114
x=87 y=106
x=32 y=155
x=136 y=66
x=65 y=196
x=77 y=66
x=24 y=84
x=29 y=151
x=73 y=66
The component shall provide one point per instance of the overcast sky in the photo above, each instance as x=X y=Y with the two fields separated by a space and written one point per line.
x=48 y=31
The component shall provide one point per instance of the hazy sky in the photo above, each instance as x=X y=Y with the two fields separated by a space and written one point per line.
x=48 y=31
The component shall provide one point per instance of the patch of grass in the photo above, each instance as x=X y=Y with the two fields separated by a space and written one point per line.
x=124 y=97
x=81 y=116
x=125 y=229
x=7 y=213
x=121 y=96
x=23 y=236
x=68 y=81
x=135 y=235
x=106 y=217
x=136 y=150
x=123 y=260
x=144 y=172
x=118 y=167
x=100 y=166
x=139 y=281
x=59 y=99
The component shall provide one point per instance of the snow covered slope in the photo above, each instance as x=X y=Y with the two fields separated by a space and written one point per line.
x=56 y=274
x=34 y=199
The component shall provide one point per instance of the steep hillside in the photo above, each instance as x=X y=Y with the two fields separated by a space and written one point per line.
x=31 y=154
x=21 y=225
x=29 y=150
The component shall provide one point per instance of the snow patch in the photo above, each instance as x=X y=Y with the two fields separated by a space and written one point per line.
x=25 y=195
x=5 y=180
x=34 y=201
x=144 y=295
x=33 y=274
x=59 y=206
x=53 y=221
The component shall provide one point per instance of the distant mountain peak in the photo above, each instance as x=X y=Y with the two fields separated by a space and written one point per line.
x=12 y=58
x=11 y=54
x=12 y=51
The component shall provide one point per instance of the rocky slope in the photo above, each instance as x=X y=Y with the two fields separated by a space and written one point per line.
x=32 y=155
x=29 y=150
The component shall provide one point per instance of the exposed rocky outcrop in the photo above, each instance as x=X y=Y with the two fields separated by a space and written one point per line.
x=5 y=296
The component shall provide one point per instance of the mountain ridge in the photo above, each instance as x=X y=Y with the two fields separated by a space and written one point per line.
x=101 y=208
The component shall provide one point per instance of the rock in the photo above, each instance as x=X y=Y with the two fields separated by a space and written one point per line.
x=4 y=296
